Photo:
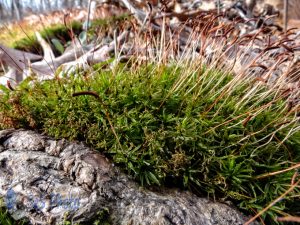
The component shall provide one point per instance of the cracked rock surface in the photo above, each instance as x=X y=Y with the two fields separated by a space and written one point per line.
x=46 y=180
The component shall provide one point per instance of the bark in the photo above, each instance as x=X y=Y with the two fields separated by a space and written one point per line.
x=34 y=168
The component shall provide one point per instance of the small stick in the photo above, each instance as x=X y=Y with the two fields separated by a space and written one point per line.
x=278 y=172
x=289 y=219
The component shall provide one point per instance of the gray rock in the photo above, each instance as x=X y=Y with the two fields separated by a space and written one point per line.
x=46 y=180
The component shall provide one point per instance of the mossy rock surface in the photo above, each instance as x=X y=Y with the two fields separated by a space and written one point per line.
x=184 y=126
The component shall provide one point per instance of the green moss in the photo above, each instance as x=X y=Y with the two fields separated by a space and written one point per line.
x=110 y=21
x=28 y=41
x=184 y=126
x=59 y=31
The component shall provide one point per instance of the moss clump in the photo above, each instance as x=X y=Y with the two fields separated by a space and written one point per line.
x=185 y=126
x=113 y=22
x=59 y=31
x=22 y=37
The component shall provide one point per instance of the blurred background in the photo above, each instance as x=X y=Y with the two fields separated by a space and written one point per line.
x=18 y=9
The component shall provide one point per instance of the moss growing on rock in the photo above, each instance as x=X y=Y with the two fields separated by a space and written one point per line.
x=185 y=126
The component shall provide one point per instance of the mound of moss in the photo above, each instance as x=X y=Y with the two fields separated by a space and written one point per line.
x=188 y=126
x=58 y=32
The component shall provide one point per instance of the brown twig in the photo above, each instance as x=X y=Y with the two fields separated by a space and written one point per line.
x=278 y=172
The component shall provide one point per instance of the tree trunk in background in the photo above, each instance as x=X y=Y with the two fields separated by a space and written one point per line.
x=48 y=4
x=1 y=12
x=16 y=9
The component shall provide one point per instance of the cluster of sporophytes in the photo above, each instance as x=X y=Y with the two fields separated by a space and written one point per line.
x=184 y=125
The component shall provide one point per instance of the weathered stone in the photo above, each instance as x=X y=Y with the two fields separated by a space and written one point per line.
x=44 y=180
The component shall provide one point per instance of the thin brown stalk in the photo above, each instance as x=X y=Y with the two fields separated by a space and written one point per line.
x=289 y=219
x=278 y=172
